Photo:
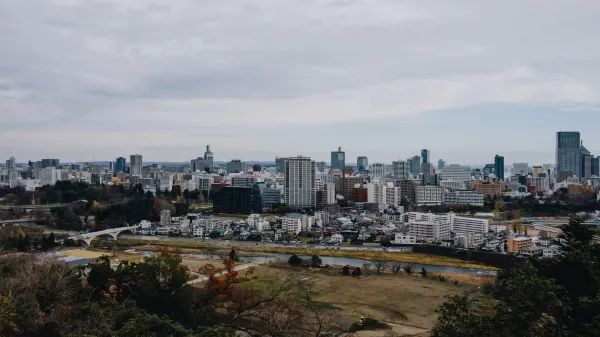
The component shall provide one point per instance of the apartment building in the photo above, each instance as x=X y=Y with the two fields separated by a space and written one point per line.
x=472 y=198
x=429 y=195
x=518 y=244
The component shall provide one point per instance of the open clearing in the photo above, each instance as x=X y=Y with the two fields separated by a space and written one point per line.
x=406 y=302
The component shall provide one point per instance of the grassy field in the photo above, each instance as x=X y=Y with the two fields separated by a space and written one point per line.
x=406 y=302
x=399 y=257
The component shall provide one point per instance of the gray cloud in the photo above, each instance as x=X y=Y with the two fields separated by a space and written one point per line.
x=204 y=67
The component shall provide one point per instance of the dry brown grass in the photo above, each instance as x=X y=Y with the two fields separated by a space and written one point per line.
x=406 y=301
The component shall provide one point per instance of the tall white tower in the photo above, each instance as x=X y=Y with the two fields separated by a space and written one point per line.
x=299 y=187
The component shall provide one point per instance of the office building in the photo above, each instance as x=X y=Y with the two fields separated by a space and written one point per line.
x=240 y=181
x=586 y=165
x=50 y=163
x=338 y=159
x=208 y=159
x=347 y=183
x=407 y=189
x=330 y=193
x=202 y=182
x=49 y=176
x=270 y=196
x=521 y=169
x=425 y=156
x=568 y=153
x=540 y=183
x=457 y=173
x=536 y=170
x=237 y=200
x=166 y=182
x=362 y=164
x=488 y=189
x=400 y=170
x=415 y=165
x=280 y=164
x=236 y=166
x=135 y=165
x=120 y=164
x=10 y=164
x=488 y=169
x=596 y=166
x=299 y=183
x=499 y=167
x=441 y=164
x=377 y=171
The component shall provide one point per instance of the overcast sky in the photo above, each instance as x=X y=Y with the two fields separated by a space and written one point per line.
x=255 y=79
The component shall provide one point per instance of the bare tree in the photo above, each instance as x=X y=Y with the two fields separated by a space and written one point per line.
x=380 y=263
x=396 y=267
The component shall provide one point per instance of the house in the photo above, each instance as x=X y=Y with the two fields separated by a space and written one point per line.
x=532 y=251
x=337 y=238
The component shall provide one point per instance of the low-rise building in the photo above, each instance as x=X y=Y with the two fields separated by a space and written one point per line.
x=468 y=240
x=405 y=239
x=517 y=244
x=552 y=252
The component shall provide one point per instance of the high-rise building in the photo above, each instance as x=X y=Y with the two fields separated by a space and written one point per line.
x=441 y=164
x=208 y=159
x=586 y=165
x=338 y=159
x=400 y=170
x=425 y=155
x=299 y=183
x=50 y=163
x=568 y=153
x=10 y=164
x=499 y=167
x=120 y=164
x=362 y=164
x=280 y=164
x=135 y=165
x=596 y=166
x=414 y=165
x=377 y=171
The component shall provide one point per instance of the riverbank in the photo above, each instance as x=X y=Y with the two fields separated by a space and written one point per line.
x=415 y=258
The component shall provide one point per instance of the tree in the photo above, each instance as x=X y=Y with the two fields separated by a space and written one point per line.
x=409 y=269
x=356 y=272
x=346 y=270
x=294 y=260
x=315 y=261
x=233 y=255
x=380 y=263
x=8 y=199
x=538 y=298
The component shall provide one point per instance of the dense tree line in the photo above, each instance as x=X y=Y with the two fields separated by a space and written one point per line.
x=44 y=297
x=541 y=297
x=16 y=239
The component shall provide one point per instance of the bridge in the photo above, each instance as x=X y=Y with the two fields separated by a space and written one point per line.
x=113 y=232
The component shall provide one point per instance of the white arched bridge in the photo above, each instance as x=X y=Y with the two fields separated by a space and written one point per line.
x=112 y=232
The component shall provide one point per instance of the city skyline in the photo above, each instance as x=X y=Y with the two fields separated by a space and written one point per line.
x=270 y=79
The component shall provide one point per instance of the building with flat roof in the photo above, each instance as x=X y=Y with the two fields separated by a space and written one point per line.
x=299 y=185
x=338 y=159
x=568 y=152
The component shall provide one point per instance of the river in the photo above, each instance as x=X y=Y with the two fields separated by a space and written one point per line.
x=343 y=261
